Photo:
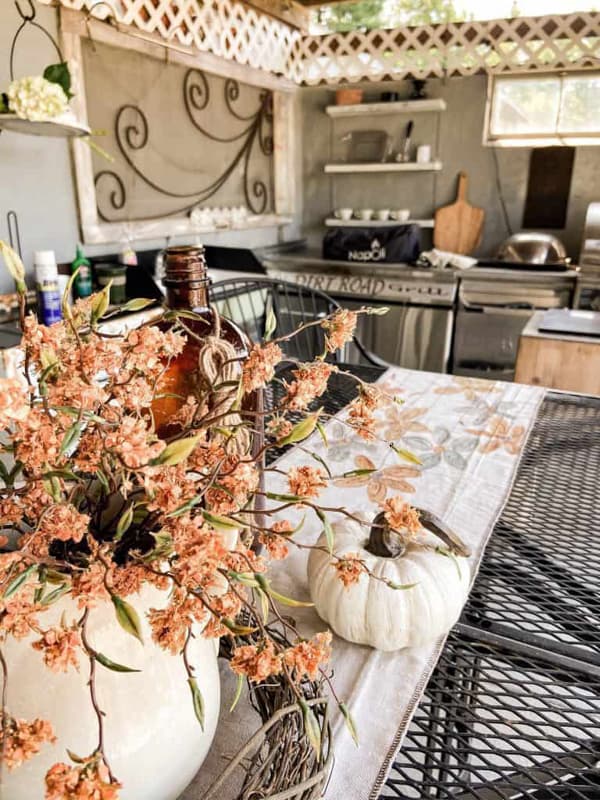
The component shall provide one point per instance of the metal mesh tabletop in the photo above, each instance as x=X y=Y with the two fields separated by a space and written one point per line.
x=495 y=724
x=540 y=578
x=513 y=707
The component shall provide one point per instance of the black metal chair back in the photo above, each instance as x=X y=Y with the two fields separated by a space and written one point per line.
x=249 y=301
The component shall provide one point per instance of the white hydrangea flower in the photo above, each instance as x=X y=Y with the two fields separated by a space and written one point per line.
x=36 y=99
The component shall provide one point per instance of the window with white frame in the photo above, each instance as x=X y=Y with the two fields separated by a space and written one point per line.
x=546 y=109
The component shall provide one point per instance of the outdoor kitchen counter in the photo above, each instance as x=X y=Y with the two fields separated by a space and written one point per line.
x=312 y=262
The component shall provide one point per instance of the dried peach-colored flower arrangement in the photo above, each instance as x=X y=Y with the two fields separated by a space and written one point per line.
x=95 y=506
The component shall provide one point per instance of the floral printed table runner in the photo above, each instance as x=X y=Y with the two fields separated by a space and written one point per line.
x=468 y=435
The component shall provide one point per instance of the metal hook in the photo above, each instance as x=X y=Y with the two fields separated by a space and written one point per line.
x=26 y=17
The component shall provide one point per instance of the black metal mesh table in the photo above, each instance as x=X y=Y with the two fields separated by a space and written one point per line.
x=512 y=709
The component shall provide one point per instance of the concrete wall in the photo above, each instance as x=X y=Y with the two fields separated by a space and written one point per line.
x=458 y=132
x=36 y=178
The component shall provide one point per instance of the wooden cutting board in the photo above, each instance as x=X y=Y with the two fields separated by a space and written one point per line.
x=458 y=227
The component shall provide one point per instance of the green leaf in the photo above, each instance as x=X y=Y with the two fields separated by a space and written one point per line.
x=71 y=438
x=67 y=474
x=311 y=726
x=355 y=473
x=137 y=304
x=222 y=524
x=106 y=662
x=176 y=452
x=52 y=486
x=198 y=701
x=264 y=605
x=127 y=617
x=65 y=305
x=449 y=554
x=245 y=578
x=270 y=324
x=401 y=587
x=238 y=630
x=322 y=433
x=4 y=473
x=289 y=601
x=124 y=522
x=19 y=580
x=59 y=73
x=14 y=266
x=238 y=692
x=54 y=595
x=378 y=311
x=329 y=534
x=301 y=430
x=103 y=480
x=74 y=757
x=350 y=724
x=323 y=463
x=284 y=498
x=406 y=454
x=100 y=304
x=184 y=508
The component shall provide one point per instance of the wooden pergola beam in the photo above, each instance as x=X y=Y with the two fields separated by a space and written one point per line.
x=289 y=11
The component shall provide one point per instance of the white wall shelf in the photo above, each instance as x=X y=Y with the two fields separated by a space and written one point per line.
x=377 y=109
x=334 y=222
x=385 y=166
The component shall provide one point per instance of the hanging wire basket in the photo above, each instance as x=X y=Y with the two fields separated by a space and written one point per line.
x=63 y=125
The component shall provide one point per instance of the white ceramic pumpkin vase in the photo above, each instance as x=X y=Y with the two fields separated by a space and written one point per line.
x=153 y=740
x=371 y=612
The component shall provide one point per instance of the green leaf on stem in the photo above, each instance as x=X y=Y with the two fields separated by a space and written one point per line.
x=406 y=454
x=237 y=630
x=14 y=266
x=264 y=605
x=65 y=305
x=176 y=452
x=355 y=473
x=328 y=530
x=222 y=524
x=238 y=692
x=124 y=522
x=323 y=463
x=245 y=578
x=103 y=480
x=112 y=665
x=54 y=595
x=322 y=433
x=71 y=438
x=401 y=587
x=74 y=757
x=197 y=700
x=127 y=617
x=52 y=486
x=270 y=324
x=19 y=580
x=184 y=507
x=100 y=304
x=67 y=474
x=350 y=724
x=302 y=430
x=311 y=726
x=59 y=73
x=284 y=498
x=137 y=304
x=289 y=601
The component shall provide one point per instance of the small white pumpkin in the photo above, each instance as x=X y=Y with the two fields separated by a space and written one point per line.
x=369 y=611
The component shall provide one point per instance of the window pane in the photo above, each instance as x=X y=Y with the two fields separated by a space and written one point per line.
x=525 y=105
x=580 y=111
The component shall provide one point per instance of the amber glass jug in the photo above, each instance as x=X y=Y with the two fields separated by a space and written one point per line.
x=188 y=375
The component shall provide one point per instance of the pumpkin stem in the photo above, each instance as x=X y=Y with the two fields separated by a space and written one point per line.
x=384 y=541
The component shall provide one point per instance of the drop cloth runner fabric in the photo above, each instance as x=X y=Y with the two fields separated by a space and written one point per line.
x=468 y=435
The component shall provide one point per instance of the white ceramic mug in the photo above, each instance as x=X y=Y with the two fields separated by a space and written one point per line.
x=365 y=213
x=424 y=154
x=401 y=214
x=383 y=214
x=343 y=213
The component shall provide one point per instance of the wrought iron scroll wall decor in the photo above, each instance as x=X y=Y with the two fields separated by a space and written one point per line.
x=132 y=134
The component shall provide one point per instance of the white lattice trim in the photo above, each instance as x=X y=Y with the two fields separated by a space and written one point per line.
x=237 y=32
x=225 y=28
x=462 y=48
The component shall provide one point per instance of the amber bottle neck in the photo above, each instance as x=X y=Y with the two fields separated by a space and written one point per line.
x=186 y=278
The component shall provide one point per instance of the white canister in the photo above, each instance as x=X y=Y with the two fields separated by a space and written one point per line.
x=424 y=154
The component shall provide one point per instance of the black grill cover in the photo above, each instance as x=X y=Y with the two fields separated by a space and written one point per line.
x=400 y=243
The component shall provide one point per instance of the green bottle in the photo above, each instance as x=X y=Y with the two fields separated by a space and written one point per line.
x=83 y=281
